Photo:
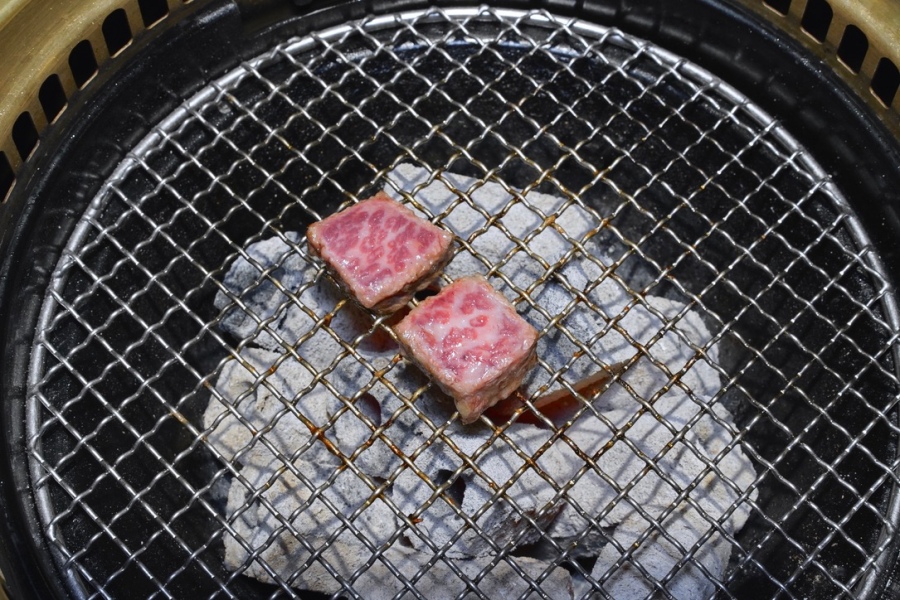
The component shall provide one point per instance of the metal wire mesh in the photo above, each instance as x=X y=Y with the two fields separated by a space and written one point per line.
x=689 y=193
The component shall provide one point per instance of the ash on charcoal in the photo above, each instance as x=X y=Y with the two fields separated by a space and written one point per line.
x=494 y=577
x=276 y=504
x=245 y=281
x=468 y=219
x=282 y=515
x=656 y=447
x=507 y=520
x=644 y=547
x=257 y=393
x=270 y=399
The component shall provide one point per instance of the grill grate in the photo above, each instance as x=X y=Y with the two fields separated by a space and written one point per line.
x=566 y=146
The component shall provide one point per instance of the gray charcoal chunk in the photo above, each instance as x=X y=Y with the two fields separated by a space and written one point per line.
x=293 y=321
x=658 y=430
x=258 y=392
x=504 y=522
x=278 y=504
x=441 y=582
x=659 y=556
x=259 y=293
x=280 y=519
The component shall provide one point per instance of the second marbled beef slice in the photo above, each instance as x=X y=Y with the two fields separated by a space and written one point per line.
x=472 y=343
x=380 y=252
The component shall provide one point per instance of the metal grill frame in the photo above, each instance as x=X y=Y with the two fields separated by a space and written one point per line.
x=43 y=472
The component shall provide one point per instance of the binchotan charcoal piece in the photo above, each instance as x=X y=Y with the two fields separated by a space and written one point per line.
x=657 y=447
x=380 y=252
x=471 y=342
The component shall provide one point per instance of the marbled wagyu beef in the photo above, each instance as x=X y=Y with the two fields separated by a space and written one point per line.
x=472 y=343
x=380 y=252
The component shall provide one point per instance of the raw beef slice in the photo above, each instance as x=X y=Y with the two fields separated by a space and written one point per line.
x=471 y=342
x=380 y=252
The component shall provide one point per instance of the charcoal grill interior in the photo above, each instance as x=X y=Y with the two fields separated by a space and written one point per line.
x=699 y=196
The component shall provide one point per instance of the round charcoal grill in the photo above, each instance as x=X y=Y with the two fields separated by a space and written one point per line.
x=201 y=414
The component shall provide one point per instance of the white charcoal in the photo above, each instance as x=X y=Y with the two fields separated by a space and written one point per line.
x=660 y=444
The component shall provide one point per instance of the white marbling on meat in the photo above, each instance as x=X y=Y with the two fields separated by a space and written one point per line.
x=380 y=251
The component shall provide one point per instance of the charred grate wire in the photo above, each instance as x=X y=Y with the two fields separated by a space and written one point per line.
x=699 y=197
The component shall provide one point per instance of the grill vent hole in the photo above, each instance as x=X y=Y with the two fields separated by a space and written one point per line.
x=52 y=97
x=885 y=81
x=152 y=11
x=82 y=62
x=853 y=48
x=817 y=18
x=7 y=177
x=116 y=31
x=25 y=135
x=781 y=6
